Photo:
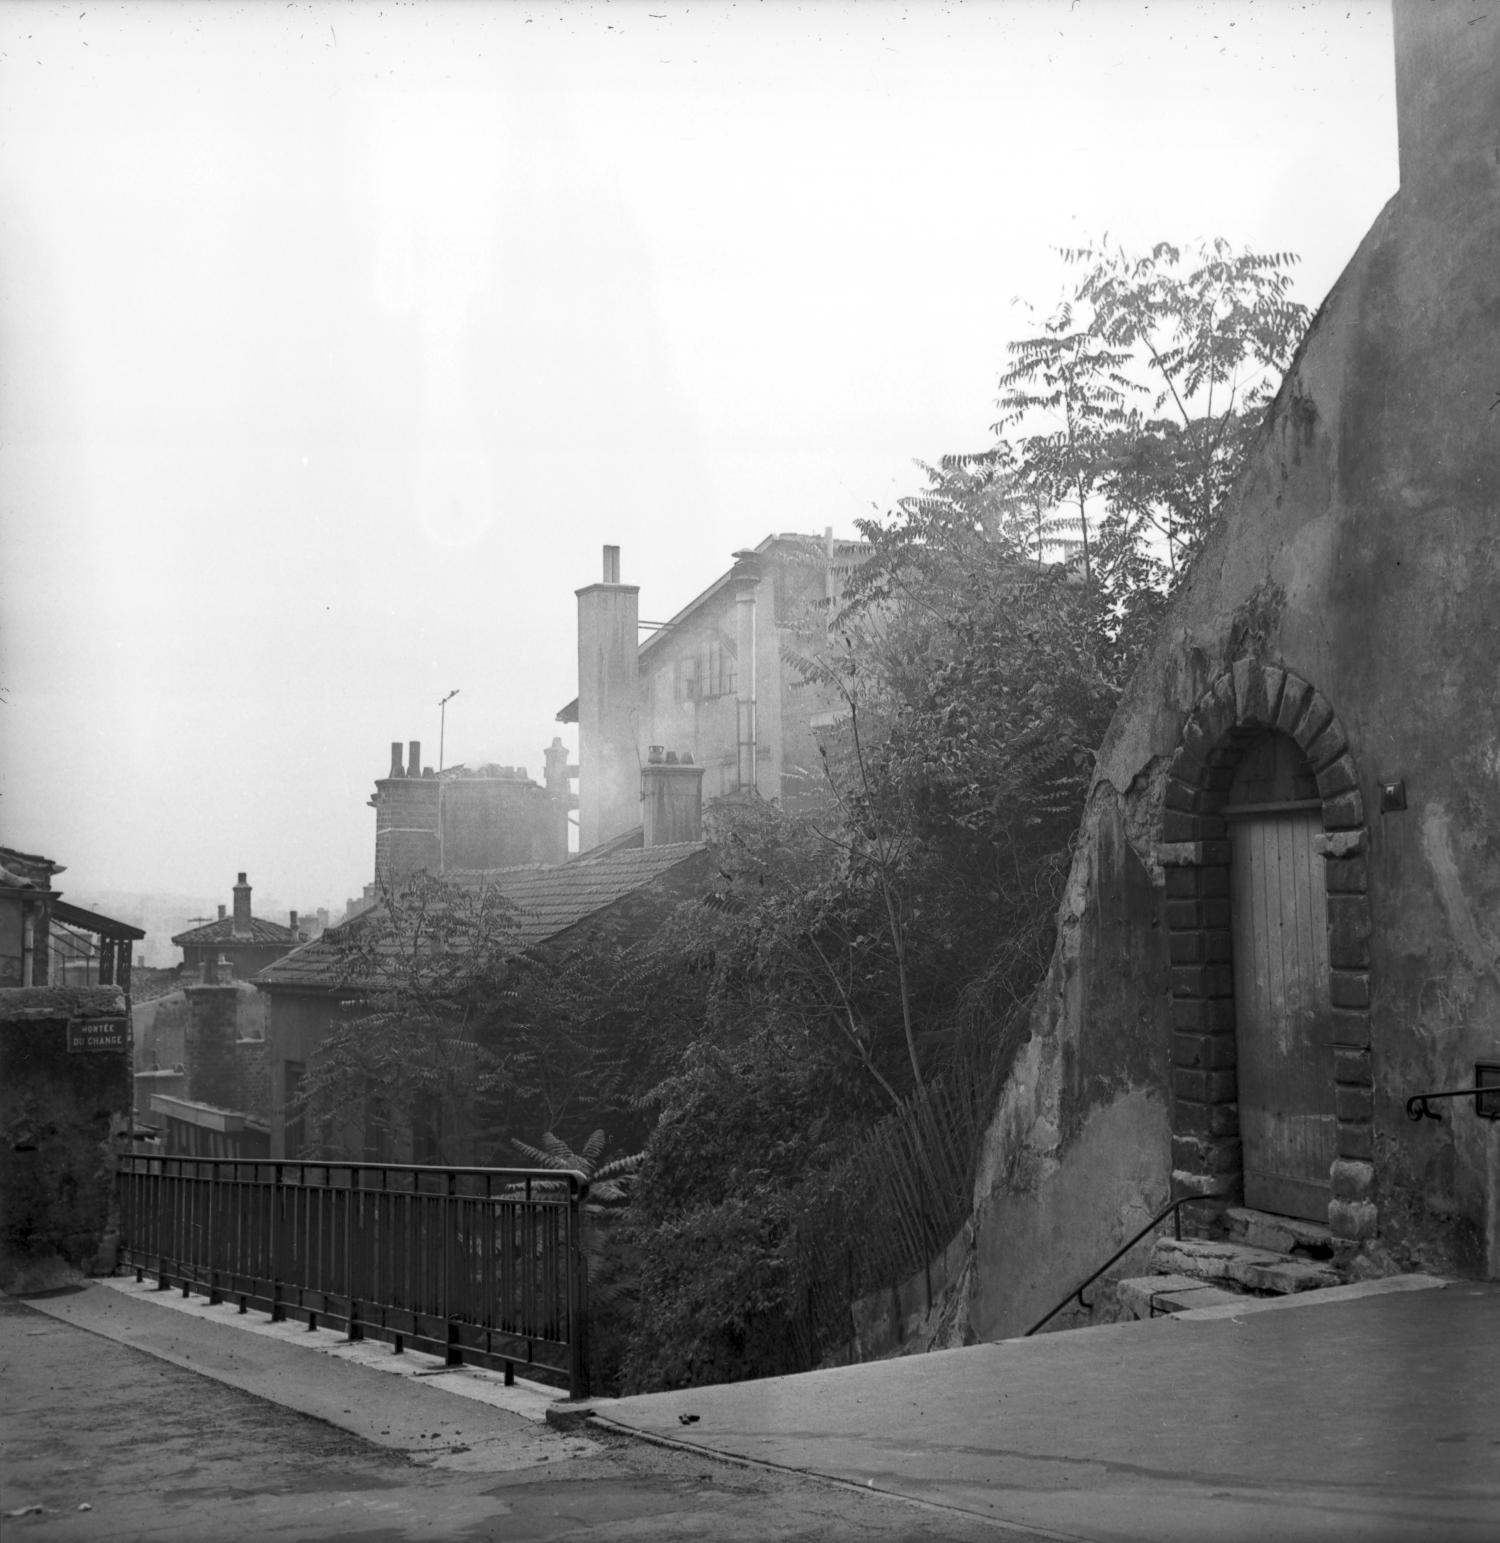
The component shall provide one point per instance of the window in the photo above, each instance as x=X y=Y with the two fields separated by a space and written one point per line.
x=293 y=1114
x=722 y=676
x=688 y=685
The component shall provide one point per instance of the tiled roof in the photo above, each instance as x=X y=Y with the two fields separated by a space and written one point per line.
x=551 y=900
x=92 y=921
x=548 y=901
x=22 y=1004
x=222 y=931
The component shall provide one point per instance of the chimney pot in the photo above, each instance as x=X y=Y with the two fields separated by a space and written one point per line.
x=397 y=770
x=222 y=910
x=611 y=565
x=414 y=758
x=671 y=804
x=654 y=754
x=294 y=922
x=240 y=880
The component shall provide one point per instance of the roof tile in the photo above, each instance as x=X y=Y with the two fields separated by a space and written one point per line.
x=548 y=902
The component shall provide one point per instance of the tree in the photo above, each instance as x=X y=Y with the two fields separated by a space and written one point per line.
x=426 y=977
x=1128 y=413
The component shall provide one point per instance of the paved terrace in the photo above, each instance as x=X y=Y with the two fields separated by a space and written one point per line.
x=1356 y=1413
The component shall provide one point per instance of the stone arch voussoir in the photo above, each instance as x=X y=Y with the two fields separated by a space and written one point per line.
x=1247 y=699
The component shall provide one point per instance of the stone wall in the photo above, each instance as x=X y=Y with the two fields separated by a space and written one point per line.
x=64 y=1118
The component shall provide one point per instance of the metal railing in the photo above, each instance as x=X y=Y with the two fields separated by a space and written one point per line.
x=1174 y=1210
x=478 y=1265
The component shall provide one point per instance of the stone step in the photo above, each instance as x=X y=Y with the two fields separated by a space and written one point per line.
x=1236 y=1265
x=1152 y=1296
x=1278 y=1234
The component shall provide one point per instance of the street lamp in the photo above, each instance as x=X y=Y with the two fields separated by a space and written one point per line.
x=443 y=725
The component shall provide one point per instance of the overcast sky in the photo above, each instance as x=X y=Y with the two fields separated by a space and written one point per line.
x=337 y=340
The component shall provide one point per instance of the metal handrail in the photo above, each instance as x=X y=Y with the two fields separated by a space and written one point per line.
x=1416 y=1105
x=481 y=1265
x=1174 y=1210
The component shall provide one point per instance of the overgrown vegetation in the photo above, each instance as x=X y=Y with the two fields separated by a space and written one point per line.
x=809 y=1050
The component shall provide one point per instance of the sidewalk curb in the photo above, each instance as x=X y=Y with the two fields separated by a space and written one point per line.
x=449 y=1420
x=1002 y=1528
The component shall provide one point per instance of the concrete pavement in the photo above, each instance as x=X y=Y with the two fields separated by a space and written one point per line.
x=1363 y=1413
x=1358 y=1413
x=130 y=1421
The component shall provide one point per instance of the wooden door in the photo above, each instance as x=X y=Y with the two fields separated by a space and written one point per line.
x=1285 y=1054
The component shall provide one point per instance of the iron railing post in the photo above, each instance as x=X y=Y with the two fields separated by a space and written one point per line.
x=278 y=1312
x=577 y=1294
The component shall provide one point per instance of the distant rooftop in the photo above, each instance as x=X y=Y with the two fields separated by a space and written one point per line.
x=549 y=901
x=222 y=931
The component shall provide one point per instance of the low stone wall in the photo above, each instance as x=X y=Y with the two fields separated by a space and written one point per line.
x=926 y=1311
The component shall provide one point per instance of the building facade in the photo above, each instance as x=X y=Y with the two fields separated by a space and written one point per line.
x=454 y=819
x=716 y=686
x=65 y=1096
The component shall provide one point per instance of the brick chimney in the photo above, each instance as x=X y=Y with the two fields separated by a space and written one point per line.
x=608 y=687
x=671 y=799
x=241 y=908
x=406 y=819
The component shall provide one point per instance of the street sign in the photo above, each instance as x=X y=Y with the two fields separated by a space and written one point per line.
x=98 y=1034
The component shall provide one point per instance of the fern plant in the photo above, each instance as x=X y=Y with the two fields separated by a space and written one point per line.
x=608 y=1183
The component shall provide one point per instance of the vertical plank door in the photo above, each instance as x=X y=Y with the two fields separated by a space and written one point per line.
x=1279 y=925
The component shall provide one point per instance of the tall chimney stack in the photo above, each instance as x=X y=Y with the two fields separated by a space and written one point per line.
x=1446 y=90
x=241 y=907
x=608 y=684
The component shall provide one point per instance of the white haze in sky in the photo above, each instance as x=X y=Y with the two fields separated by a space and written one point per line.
x=337 y=340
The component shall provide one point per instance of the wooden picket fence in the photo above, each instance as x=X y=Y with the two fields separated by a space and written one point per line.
x=893 y=1205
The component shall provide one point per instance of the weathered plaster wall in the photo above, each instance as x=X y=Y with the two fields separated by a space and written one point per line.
x=1363 y=557
x=1078 y=1154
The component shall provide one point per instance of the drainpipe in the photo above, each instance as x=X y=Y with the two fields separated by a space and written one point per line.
x=746 y=579
x=28 y=943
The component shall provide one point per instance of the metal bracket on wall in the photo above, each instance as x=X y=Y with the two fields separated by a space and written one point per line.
x=1485 y=1093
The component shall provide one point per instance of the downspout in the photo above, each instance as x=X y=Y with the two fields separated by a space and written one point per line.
x=746 y=577
x=28 y=942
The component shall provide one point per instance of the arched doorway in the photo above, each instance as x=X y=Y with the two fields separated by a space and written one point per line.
x=1279 y=942
x=1272 y=1092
